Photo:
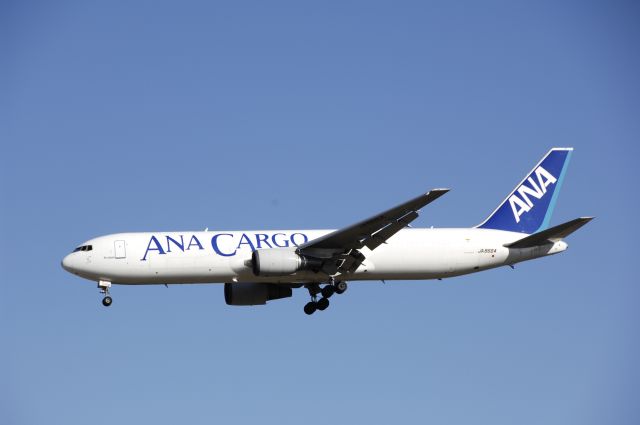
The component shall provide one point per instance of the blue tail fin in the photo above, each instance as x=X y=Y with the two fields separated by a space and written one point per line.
x=529 y=206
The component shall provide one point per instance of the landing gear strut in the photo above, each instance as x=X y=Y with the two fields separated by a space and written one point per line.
x=333 y=287
x=104 y=289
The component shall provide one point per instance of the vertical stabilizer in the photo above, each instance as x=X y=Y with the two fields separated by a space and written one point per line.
x=529 y=206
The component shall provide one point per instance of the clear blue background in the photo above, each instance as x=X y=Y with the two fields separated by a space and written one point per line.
x=147 y=115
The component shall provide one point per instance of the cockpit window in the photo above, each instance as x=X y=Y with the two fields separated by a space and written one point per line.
x=83 y=248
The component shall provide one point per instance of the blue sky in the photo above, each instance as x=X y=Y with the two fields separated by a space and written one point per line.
x=126 y=116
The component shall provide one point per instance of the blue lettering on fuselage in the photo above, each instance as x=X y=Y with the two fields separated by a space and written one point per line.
x=180 y=244
x=224 y=244
x=244 y=240
x=302 y=236
x=214 y=244
x=194 y=241
x=262 y=238
x=158 y=248
x=280 y=240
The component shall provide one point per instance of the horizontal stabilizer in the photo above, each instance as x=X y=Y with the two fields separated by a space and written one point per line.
x=552 y=234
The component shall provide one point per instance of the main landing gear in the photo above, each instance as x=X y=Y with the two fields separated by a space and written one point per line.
x=333 y=287
x=104 y=289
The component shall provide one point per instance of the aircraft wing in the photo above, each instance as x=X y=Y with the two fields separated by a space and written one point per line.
x=339 y=249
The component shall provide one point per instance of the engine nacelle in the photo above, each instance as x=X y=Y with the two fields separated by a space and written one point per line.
x=249 y=293
x=281 y=262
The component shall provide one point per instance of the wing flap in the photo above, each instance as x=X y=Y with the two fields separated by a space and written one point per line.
x=382 y=235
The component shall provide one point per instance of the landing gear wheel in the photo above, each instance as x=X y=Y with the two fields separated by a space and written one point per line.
x=328 y=290
x=310 y=307
x=323 y=303
x=104 y=286
x=341 y=287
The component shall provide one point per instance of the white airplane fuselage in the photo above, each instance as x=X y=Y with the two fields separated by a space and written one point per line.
x=264 y=265
x=225 y=256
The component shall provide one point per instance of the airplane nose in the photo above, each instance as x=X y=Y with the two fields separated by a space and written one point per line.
x=66 y=263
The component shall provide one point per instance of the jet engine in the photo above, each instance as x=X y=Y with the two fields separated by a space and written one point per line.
x=249 y=293
x=281 y=262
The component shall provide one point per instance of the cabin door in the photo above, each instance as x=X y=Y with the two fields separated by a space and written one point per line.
x=119 y=249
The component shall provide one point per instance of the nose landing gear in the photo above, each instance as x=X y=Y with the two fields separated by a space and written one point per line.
x=104 y=286
x=333 y=287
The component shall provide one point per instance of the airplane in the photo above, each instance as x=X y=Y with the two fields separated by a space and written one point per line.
x=264 y=265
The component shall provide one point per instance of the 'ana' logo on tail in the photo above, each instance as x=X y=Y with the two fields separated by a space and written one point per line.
x=522 y=204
